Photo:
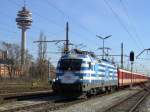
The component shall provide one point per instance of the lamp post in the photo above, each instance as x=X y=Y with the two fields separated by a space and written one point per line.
x=103 y=38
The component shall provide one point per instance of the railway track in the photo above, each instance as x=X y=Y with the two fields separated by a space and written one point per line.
x=53 y=103
x=44 y=103
x=23 y=95
x=131 y=103
x=47 y=103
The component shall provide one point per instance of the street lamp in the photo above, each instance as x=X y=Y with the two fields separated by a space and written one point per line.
x=103 y=38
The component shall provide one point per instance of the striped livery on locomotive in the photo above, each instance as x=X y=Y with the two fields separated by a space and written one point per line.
x=80 y=72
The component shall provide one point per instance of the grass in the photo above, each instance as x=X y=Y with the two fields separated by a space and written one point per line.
x=23 y=86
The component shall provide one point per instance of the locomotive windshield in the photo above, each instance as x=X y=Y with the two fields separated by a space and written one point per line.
x=70 y=64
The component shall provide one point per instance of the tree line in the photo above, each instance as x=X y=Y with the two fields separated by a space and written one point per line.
x=34 y=69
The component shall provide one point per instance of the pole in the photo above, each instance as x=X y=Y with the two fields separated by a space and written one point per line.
x=131 y=75
x=103 y=49
x=121 y=55
x=103 y=42
x=67 y=38
x=49 y=70
x=23 y=47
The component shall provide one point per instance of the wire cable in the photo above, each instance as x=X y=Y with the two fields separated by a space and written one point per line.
x=121 y=23
x=131 y=22
x=69 y=17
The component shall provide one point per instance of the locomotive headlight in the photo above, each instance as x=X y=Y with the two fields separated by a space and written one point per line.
x=81 y=78
x=53 y=80
x=56 y=78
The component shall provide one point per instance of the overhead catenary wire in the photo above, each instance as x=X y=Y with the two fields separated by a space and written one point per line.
x=121 y=22
x=54 y=22
x=69 y=17
x=16 y=3
x=45 y=18
x=60 y=12
x=131 y=23
x=36 y=14
x=124 y=26
x=5 y=26
x=41 y=16
x=72 y=19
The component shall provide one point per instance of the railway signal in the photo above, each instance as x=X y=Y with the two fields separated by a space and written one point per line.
x=131 y=60
x=131 y=56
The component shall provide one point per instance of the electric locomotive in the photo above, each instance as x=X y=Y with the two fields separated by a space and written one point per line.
x=80 y=72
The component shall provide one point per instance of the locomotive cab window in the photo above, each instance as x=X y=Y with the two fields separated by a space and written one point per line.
x=90 y=65
x=70 y=64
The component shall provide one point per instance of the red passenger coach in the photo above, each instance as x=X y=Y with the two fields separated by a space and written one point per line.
x=126 y=77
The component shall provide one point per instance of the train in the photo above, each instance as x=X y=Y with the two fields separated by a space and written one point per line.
x=125 y=78
x=82 y=73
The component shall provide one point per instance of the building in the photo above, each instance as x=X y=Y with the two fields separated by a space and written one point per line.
x=6 y=68
x=3 y=64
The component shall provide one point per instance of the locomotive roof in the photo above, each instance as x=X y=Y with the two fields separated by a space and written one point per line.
x=86 y=56
x=78 y=54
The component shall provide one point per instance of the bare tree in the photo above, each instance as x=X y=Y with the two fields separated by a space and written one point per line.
x=13 y=55
x=42 y=61
x=42 y=47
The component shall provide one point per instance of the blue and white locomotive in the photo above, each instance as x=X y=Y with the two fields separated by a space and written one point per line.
x=80 y=72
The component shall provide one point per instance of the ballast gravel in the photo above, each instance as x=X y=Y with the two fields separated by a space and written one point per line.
x=145 y=106
x=99 y=104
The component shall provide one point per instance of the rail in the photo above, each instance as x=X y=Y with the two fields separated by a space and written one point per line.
x=131 y=103
x=23 y=95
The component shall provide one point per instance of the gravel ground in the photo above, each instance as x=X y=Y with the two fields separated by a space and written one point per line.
x=93 y=105
x=99 y=104
x=19 y=104
x=145 y=106
x=28 y=102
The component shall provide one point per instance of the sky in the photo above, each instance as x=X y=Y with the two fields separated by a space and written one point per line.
x=126 y=20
